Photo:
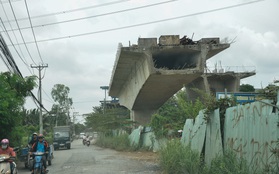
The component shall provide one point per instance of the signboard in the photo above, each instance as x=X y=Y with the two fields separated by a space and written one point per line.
x=240 y=97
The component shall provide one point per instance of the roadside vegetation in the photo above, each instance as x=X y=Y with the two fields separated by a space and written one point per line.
x=13 y=90
x=113 y=126
x=176 y=158
x=119 y=143
x=17 y=123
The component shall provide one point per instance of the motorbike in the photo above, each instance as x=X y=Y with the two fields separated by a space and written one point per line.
x=38 y=160
x=87 y=142
x=5 y=164
x=26 y=157
x=84 y=141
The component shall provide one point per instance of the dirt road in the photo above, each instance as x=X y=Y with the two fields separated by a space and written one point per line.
x=95 y=160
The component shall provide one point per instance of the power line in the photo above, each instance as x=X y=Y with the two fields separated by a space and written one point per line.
x=99 y=15
x=2 y=2
x=14 y=46
x=33 y=31
x=48 y=96
x=5 y=60
x=21 y=33
x=147 y=23
x=73 y=10
x=25 y=62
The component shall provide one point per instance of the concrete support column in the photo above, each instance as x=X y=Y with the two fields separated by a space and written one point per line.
x=236 y=84
x=204 y=48
x=142 y=117
x=206 y=84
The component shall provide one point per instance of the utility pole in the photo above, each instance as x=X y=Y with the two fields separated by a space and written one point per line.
x=105 y=100
x=56 y=116
x=40 y=68
x=74 y=118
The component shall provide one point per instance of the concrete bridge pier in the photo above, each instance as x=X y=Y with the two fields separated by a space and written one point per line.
x=146 y=75
x=142 y=116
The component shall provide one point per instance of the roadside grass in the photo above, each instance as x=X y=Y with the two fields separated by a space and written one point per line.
x=120 y=143
x=177 y=158
x=229 y=163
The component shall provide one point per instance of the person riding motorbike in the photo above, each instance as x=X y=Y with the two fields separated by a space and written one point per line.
x=34 y=139
x=84 y=139
x=40 y=146
x=7 y=150
x=87 y=140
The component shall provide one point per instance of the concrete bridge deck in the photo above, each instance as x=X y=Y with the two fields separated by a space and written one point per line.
x=146 y=75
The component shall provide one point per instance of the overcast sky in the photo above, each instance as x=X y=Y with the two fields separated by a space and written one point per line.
x=81 y=53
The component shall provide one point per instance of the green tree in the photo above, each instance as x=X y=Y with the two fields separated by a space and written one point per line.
x=172 y=115
x=60 y=94
x=269 y=92
x=13 y=90
x=79 y=128
x=113 y=119
x=30 y=117
x=246 y=88
x=190 y=109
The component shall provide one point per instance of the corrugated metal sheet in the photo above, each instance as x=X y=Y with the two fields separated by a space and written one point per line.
x=187 y=130
x=213 y=141
x=198 y=133
x=251 y=130
x=148 y=139
x=135 y=136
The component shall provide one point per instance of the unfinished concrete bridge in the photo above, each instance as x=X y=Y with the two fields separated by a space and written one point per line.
x=146 y=75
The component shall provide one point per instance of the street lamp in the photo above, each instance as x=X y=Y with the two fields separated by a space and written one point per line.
x=104 y=88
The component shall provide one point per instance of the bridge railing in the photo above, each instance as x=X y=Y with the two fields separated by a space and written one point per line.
x=227 y=69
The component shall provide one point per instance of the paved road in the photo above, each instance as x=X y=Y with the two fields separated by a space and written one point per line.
x=94 y=160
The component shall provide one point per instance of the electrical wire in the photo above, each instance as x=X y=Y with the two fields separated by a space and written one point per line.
x=94 y=16
x=147 y=23
x=21 y=34
x=2 y=2
x=14 y=46
x=33 y=31
x=73 y=10
x=48 y=97
x=5 y=61
x=25 y=62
